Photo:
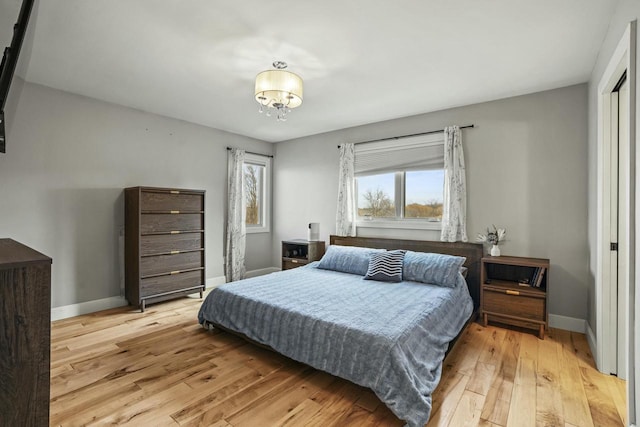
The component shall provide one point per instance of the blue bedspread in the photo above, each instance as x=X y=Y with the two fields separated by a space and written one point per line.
x=390 y=337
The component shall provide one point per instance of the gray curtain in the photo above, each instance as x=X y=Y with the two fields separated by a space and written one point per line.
x=454 y=212
x=236 y=213
x=346 y=212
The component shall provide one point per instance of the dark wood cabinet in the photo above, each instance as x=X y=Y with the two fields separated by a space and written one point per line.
x=514 y=291
x=164 y=244
x=299 y=252
x=25 y=335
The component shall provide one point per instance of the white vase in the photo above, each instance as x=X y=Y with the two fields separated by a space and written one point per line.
x=495 y=250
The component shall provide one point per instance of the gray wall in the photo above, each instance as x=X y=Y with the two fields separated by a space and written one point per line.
x=526 y=171
x=626 y=11
x=68 y=160
x=11 y=105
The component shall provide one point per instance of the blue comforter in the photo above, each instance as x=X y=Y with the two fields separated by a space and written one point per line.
x=389 y=337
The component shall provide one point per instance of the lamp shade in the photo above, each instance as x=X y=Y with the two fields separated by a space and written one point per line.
x=279 y=87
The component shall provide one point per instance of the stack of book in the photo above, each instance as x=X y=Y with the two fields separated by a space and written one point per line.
x=536 y=279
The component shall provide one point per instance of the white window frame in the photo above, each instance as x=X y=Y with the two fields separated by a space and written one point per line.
x=400 y=187
x=399 y=222
x=265 y=194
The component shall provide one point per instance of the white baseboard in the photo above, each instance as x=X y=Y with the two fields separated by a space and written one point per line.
x=214 y=282
x=593 y=345
x=87 y=307
x=568 y=323
x=260 y=272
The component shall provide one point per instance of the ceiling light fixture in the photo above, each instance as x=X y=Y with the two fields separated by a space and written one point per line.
x=278 y=89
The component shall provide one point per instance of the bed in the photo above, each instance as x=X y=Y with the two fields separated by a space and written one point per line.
x=389 y=337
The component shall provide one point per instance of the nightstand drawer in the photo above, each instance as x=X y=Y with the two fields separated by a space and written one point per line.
x=288 y=264
x=514 y=303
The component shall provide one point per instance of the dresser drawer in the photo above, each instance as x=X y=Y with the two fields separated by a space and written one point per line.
x=173 y=282
x=154 y=201
x=163 y=243
x=160 y=264
x=514 y=303
x=158 y=223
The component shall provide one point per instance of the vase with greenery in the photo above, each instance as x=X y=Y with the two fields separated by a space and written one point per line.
x=493 y=237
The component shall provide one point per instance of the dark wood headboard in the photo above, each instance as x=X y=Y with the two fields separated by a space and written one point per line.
x=472 y=251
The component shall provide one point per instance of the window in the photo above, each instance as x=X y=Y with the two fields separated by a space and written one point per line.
x=419 y=195
x=423 y=194
x=400 y=182
x=376 y=196
x=257 y=193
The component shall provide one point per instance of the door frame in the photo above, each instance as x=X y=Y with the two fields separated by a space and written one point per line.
x=623 y=59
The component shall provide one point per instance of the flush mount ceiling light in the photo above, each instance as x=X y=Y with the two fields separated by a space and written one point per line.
x=279 y=90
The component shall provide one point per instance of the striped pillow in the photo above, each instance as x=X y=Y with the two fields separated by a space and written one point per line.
x=386 y=266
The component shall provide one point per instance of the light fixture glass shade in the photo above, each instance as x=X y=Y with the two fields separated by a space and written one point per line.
x=278 y=88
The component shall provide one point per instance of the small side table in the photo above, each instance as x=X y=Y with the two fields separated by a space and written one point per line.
x=299 y=252
x=514 y=290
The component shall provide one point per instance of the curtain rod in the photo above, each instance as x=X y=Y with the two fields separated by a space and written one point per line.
x=255 y=154
x=407 y=136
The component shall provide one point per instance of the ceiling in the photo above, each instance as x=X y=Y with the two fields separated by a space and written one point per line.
x=362 y=61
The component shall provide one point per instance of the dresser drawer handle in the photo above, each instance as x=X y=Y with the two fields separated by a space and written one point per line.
x=175 y=212
x=175 y=272
x=174 y=192
x=510 y=292
x=175 y=252
x=295 y=261
x=175 y=232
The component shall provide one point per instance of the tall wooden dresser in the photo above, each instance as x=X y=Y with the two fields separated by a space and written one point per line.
x=164 y=244
x=25 y=335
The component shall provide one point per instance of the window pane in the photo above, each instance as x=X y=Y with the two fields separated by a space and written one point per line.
x=376 y=195
x=253 y=182
x=424 y=194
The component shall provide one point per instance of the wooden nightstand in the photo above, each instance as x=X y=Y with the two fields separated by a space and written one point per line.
x=505 y=299
x=299 y=252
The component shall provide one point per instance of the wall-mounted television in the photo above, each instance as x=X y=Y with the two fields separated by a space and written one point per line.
x=10 y=61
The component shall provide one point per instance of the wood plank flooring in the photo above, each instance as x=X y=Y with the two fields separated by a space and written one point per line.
x=123 y=367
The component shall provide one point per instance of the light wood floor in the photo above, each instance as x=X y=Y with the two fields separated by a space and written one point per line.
x=160 y=367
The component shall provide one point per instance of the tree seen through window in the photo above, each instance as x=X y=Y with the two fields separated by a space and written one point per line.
x=422 y=190
x=252 y=190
